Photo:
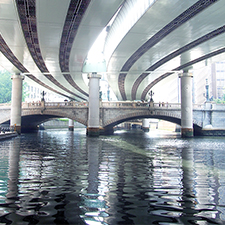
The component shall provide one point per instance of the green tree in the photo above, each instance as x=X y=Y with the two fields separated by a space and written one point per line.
x=6 y=87
x=220 y=101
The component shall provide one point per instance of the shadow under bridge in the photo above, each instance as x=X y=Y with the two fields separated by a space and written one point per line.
x=34 y=114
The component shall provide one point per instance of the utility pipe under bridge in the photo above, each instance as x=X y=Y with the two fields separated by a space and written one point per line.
x=207 y=118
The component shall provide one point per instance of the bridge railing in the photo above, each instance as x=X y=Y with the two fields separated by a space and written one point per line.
x=66 y=104
x=5 y=105
x=117 y=104
x=135 y=104
x=54 y=104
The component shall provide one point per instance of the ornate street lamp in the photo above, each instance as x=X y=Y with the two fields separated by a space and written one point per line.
x=151 y=94
x=43 y=94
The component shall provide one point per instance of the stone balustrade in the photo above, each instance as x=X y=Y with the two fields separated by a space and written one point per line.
x=118 y=104
x=111 y=113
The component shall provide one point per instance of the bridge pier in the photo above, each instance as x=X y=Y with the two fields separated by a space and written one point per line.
x=71 y=125
x=186 y=105
x=17 y=86
x=93 y=112
x=145 y=125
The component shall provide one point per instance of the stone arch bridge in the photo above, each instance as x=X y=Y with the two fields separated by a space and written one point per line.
x=113 y=113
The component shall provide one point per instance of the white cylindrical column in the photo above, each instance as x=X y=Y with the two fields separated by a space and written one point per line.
x=186 y=105
x=145 y=125
x=71 y=125
x=93 y=113
x=17 y=87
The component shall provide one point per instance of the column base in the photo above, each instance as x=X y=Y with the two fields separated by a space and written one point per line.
x=187 y=132
x=145 y=129
x=71 y=128
x=16 y=129
x=92 y=132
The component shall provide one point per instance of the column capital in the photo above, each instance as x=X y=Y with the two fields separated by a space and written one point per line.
x=185 y=74
x=16 y=76
x=94 y=75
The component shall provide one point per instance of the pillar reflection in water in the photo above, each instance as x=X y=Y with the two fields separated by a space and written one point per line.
x=13 y=174
x=13 y=178
x=188 y=196
x=93 y=148
x=200 y=188
x=93 y=204
x=209 y=188
x=4 y=162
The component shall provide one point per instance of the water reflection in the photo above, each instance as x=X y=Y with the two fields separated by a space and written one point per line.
x=61 y=177
x=4 y=163
x=188 y=201
x=93 y=203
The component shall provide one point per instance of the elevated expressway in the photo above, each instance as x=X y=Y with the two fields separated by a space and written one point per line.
x=146 y=43
x=48 y=41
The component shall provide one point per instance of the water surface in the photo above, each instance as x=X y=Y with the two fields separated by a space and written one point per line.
x=131 y=177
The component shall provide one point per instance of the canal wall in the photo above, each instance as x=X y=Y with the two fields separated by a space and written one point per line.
x=4 y=136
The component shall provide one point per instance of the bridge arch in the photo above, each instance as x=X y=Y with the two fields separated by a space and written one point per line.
x=32 y=118
x=152 y=114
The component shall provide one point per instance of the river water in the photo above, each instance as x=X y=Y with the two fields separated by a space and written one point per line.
x=131 y=177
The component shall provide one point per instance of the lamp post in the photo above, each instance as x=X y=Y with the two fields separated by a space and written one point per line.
x=151 y=102
x=43 y=95
x=151 y=94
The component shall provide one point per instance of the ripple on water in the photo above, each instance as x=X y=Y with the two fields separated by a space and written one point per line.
x=127 y=178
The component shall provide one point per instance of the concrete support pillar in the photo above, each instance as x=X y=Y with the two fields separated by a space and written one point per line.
x=145 y=125
x=71 y=125
x=17 y=86
x=186 y=105
x=93 y=112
